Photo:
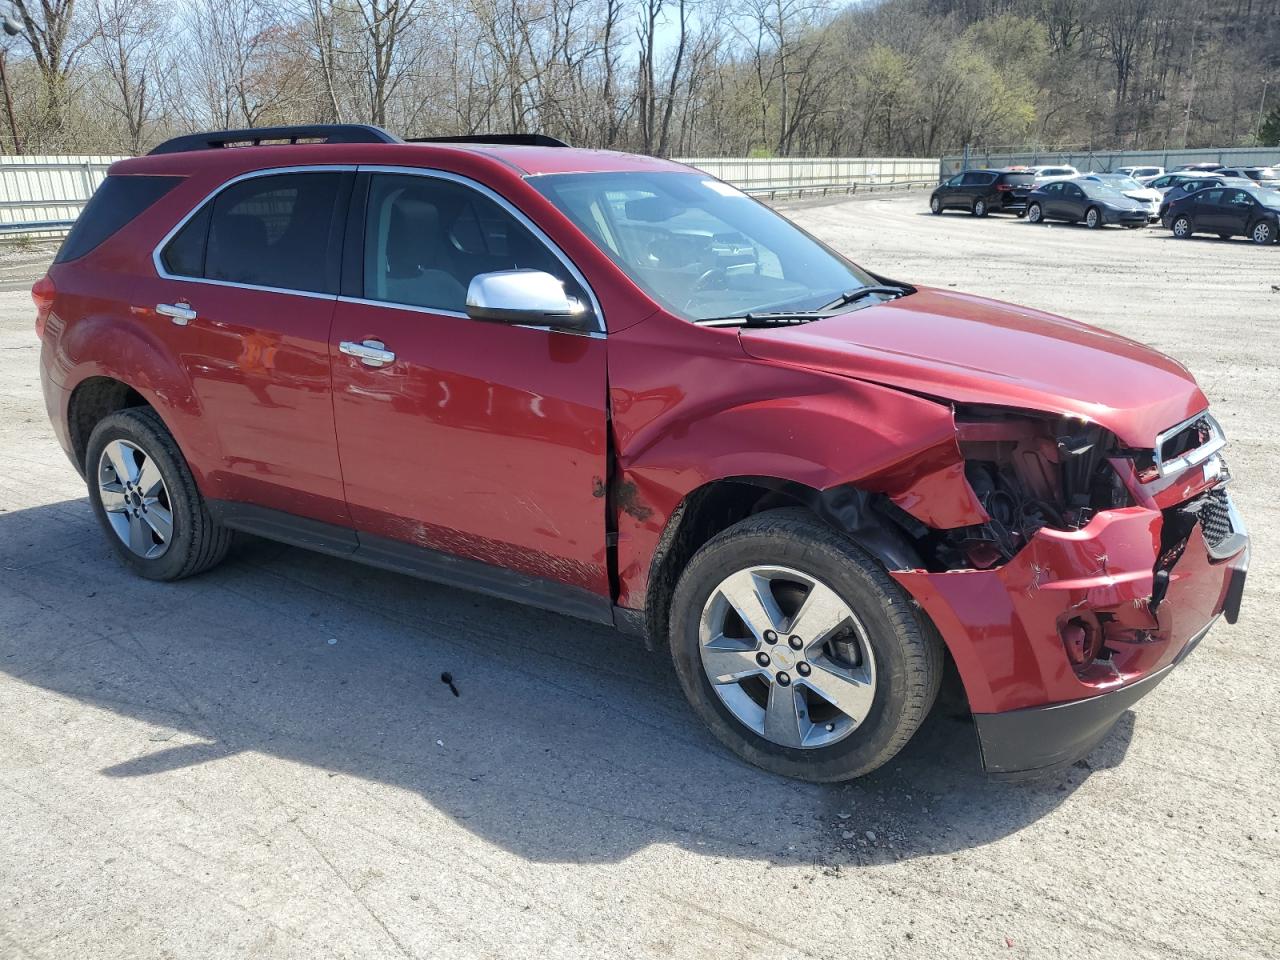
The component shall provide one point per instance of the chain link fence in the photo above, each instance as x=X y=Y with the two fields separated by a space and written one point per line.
x=1102 y=161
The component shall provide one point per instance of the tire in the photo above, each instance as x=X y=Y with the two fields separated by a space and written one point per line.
x=1263 y=233
x=193 y=542
x=1182 y=227
x=1093 y=218
x=935 y=206
x=899 y=653
x=979 y=208
x=1035 y=214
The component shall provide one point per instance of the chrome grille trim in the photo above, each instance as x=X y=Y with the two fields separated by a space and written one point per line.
x=1217 y=440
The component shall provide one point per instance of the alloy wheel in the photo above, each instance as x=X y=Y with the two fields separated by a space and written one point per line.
x=935 y=205
x=787 y=657
x=1091 y=218
x=1034 y=213
x=980 y=208
x=1262 y=233
x=135 y=499
x=1182 y=228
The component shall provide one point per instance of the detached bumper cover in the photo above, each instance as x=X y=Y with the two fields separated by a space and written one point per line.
x=1034 y=708
x=1039 y=740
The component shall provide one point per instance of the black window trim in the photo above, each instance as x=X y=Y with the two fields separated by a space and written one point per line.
x=507 y=206
x=156 y=254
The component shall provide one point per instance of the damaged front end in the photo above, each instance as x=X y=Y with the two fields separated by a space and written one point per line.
x=1094 y=569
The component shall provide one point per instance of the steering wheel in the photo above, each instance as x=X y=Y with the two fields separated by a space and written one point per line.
x=704 y=283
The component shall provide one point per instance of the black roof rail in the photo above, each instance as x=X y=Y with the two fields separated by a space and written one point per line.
x=497 y=139
x=326 y=132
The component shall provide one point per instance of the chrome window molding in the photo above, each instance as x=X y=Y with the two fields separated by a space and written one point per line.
x=1217 y=440
x=519 y=216
x=458 y=315
x=208 y=198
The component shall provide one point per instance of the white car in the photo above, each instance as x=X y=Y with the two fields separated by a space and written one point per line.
x=1141 y=174
x=1131 y=188
x=1047 y=174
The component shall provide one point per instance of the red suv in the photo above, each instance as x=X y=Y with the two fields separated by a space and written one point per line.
x=617 y=388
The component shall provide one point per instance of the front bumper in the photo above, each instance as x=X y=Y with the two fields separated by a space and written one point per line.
x=1003 y=627
x=1125 y=217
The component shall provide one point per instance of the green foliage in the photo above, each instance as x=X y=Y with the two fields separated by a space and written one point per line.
x=1269 y=135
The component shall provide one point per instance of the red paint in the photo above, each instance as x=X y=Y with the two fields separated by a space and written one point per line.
x=493 y=442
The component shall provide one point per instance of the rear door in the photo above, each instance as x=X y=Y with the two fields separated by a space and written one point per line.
x=244 y=297
x=475 y=439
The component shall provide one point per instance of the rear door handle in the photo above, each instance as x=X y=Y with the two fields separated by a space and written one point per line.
x=179 y=313
x=372 y=353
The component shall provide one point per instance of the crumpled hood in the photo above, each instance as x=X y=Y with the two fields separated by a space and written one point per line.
x=972 y=350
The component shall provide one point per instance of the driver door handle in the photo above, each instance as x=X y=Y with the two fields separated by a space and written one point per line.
x=372 y=353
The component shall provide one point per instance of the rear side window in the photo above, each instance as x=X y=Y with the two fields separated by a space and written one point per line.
x=270 y=231
x=117 y=201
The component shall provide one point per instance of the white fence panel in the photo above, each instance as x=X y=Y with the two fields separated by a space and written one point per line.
x=39 y=190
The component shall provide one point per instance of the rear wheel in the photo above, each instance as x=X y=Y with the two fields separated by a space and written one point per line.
x=1093 y=218
x=798 y=650
x=980 y=208
x=935 y=205
x=1263 y=233
x=1181 y=227
x=1035 y=214
x=146 y=500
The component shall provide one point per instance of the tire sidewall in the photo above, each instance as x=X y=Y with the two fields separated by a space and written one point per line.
x=145 y=431
x=1270 y=237
x=1181 y=218
x=1097 y=218
x=980 y=208
x=1035 y=213
x=863 y=749
x=935 y=205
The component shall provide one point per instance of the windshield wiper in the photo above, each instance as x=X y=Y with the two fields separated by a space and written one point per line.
x=853 y=296
x=780 y=318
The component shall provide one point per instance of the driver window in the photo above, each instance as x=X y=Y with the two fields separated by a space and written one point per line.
x=425 y=238
x=1239 y=198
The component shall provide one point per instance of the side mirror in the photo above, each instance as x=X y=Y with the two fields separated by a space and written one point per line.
x=525 y=296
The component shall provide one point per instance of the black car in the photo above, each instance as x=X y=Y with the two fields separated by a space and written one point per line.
x=1227 y=211
x=1191 y=185
x=984 y=191
x=1091 y=201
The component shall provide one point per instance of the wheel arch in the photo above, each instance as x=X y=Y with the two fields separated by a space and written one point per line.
x=715 y=506
x=93 y=399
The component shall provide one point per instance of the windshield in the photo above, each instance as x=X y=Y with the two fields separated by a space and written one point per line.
x=700 y=247
x=1103 y=191
x=1121 y=181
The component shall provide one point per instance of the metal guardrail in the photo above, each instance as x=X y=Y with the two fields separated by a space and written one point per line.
x=42 y=196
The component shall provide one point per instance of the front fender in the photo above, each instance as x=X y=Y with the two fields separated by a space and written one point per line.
x=717 y=413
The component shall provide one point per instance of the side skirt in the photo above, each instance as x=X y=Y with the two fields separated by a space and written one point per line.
x=415 y=561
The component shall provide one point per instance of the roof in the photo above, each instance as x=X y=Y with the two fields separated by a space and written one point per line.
x=524 y=160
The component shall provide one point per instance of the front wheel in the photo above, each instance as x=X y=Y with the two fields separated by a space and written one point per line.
x=1035 y=214
x=146 y=500
x=799 y=651
x=935 y=206
x=1263 y=233
x=1093 y=218
x=1181 y=227
x=980 y=208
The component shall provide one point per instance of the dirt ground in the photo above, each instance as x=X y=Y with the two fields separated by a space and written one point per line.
x=264 y=762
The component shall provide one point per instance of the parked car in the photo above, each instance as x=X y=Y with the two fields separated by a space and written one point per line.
x=982 y=192
x=1166 y=183
x=1047 y=174
x=1198 y=183
x=1092 y=202
x=1140 y=173
x=615 y=387
x=1132 y=189
x=1228 y=212
x=1263 y=176
x=1207 y=166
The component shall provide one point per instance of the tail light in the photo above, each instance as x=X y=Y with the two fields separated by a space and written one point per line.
x=1004 y=186
x=42 y=293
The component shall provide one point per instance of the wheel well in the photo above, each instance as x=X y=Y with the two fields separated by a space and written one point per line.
x=720 y=504
x=92 y=400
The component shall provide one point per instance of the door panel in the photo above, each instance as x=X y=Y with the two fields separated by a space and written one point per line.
x=486 y=441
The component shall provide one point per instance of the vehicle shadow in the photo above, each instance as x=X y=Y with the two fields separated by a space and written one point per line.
x=564 y=742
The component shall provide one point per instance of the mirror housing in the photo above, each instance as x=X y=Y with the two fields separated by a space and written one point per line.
x=525 y=296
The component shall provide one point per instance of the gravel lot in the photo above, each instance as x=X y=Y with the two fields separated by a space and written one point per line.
x=264 y=762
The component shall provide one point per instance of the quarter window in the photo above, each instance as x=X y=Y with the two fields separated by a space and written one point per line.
x=271 y=231
x=427 y=237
